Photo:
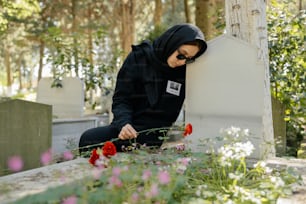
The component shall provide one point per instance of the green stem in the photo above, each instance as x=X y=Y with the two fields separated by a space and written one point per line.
x=115 y=139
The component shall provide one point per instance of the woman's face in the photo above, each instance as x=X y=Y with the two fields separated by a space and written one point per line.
x=181 y=55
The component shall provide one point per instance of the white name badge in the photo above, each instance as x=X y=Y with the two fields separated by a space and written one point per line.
x=173 y=88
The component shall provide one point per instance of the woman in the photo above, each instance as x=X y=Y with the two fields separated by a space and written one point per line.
x=150 y=88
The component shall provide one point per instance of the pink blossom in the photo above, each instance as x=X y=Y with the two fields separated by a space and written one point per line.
x=116 y=171
x=114 y=180
x=68 y=155
x=135 y=197
x=146 y=175
x=163 y=177
x=185 y=161
x=46 y=157
x=96 y=173
x=158 y=163
x=180 y=147
x=70 y=200
x=153 y=191
x=15 y=163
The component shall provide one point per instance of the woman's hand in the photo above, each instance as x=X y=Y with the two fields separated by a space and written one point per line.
x=127 y=132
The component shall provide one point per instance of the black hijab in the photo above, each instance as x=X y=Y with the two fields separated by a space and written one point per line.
x=176 y=36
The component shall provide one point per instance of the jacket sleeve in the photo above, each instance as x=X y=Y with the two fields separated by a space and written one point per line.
x=122 y=107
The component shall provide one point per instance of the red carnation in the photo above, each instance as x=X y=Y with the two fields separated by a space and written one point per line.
x=93 y=157
x=109 y=149
x=188 y=130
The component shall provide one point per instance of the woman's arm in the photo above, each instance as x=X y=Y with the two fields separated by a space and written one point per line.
x=122 y=106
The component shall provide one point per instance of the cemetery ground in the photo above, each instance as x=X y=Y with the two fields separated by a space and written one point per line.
x=167 y=175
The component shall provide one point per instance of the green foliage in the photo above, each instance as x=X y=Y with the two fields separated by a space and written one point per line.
x=16 y=11
x=287 y=64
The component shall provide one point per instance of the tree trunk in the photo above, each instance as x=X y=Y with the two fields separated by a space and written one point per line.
x=173 y=7
x=207 y=16
x=41 y=57
x=187 y=11
x=128 y=25
x=19 y=64
x=158 y=13
x=246 y=20
x=8 y=70
x=75 y=41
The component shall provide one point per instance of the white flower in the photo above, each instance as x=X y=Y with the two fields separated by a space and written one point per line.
x=197 y=201
x=236 y=151
x=262 y=165
x=234 y=133
x=200 y=190
x=181 y=169
x=277 y=181
x=235 y=176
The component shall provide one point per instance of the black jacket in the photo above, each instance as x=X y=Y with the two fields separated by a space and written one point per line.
x=148 y=92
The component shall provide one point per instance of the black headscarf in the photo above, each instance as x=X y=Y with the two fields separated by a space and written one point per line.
x=176 y=36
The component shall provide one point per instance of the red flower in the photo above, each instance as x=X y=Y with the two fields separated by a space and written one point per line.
x=188 y=130
x=109 y=149
x=93 y=157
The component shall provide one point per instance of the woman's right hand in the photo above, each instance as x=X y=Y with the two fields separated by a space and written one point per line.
x=127 y=132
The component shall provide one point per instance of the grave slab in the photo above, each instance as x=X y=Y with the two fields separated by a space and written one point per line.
x=19 y=185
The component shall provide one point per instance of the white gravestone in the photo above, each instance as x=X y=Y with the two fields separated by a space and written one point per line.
x=67 y=108
x=225 y=87
x=67 y=101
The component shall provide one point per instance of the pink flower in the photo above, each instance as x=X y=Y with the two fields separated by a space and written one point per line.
x=146 y=175
x=163 y=177
x=96 y=173
x=46 y=157
x=185 y=161
x=68 y=155
x=153 y=191
x=116 y=171
x=15 y=163
x=114 y=180
x=180 y=147
x=70 y=200
x=135 y=197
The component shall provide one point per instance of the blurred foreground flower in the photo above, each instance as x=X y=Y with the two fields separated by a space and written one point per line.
x=67 y=155
x=70 y=200
x=15 y=163
x=46 y=157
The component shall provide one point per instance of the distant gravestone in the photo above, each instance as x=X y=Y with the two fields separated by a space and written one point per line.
x=25 y=131
x=66 y=133
x=67 y=100
x=225 y=87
